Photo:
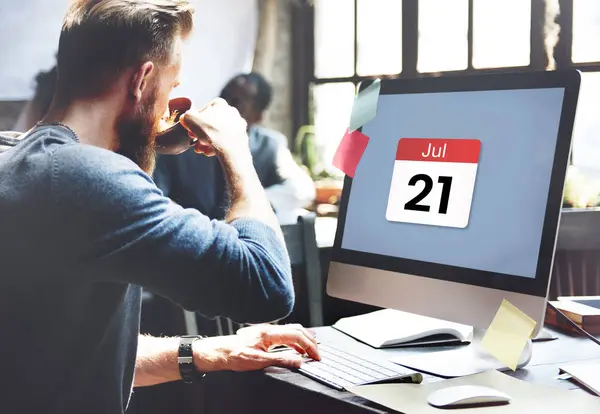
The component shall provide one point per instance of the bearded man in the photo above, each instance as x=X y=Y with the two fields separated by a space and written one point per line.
x=84 y=228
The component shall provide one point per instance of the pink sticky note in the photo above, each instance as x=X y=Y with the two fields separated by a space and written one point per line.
x=350 y=151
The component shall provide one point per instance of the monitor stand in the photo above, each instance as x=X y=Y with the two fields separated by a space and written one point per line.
x=458 y=361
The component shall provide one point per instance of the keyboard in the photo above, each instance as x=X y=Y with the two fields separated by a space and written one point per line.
x=342 y=370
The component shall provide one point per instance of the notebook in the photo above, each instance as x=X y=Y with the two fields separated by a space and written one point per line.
x=587 y=375
x=583 y=310
x=388 y=328
x=592 y=301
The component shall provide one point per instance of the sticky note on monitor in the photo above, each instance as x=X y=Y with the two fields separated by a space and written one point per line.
x=508 y=334
x=365 y=105
x=350 y=151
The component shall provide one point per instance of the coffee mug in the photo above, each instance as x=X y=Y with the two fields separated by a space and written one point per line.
x=175 y=139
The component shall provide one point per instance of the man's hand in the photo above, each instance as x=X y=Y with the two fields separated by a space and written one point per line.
x=221 y=131
x=249 y=349
x=219 y=128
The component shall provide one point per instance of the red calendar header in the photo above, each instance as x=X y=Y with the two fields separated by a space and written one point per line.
x=439 y=150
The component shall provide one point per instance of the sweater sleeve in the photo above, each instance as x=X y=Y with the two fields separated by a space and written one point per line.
x=119 y=227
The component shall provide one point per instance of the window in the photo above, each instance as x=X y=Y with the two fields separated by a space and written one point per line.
x=586 y=134
x=586 y=31
x=501 y=33
x=333 y=105
x=585 y=55
x=334 y=38
x=443 y=35
x=362 y=39
x=379 y=37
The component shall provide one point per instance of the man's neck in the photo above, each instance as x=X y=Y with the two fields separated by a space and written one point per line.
x=93 y=120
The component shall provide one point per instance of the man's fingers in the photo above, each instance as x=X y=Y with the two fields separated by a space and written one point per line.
x=293 y=335
x=307 y=336
x=203 y=148
x=296 y=339
x=307 y=332
x=193 y=122
x=297 y=348
x=202 y=123
x=207 y=152
x=309 y=347
x=217 y=102
x=281 y=359
x=254 y=359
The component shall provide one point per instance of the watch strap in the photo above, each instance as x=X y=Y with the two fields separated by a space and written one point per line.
x=185 y=359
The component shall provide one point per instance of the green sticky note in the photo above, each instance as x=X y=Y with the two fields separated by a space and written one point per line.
x=365 y=105
x=508 y=334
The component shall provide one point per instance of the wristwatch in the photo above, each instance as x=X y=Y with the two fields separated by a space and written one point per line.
x=185 y=359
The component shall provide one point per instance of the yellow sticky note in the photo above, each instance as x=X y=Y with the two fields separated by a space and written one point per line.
x=508 y=334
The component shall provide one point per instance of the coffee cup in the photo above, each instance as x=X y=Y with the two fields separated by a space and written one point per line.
x=175 y=139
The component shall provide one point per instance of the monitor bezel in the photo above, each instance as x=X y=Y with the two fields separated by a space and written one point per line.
x=538 y=286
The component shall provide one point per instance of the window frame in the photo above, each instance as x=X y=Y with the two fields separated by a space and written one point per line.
x=304 y=50
x=538 y=58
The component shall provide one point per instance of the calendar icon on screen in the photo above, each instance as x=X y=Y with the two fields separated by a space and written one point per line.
x=433 y=181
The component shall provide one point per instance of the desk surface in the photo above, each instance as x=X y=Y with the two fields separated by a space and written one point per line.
x=543 y=369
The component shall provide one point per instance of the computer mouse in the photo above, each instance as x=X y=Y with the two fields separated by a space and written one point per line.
x=466 y=396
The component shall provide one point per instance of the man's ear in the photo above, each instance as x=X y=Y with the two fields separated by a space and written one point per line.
x=139 y=80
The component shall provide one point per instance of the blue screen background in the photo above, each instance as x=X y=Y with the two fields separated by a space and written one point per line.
x=518 y=132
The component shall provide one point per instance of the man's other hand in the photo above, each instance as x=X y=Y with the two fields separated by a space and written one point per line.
x=248 y=350
x=219 y=128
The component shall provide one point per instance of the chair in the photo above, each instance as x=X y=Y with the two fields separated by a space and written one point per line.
x=301 y=243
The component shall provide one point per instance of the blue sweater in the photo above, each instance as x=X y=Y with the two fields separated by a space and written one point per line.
x=82 y=229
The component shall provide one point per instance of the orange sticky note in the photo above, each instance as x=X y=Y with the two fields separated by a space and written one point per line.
x=508 y=334
x=350 y=151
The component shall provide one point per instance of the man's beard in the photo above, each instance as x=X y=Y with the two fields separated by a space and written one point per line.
x=137 y=135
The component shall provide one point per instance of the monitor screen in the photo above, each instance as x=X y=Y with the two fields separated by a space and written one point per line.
x=457 y=178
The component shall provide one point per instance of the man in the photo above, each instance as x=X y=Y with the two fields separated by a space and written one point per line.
x=288 y=187
x=83 y=226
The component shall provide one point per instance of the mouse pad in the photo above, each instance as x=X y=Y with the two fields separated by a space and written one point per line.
x=526 y=397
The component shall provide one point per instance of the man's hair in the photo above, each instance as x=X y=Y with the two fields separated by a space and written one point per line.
x=264 y=91
x=101 y=38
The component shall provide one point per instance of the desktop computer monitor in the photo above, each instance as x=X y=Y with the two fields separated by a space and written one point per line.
x=455 y=203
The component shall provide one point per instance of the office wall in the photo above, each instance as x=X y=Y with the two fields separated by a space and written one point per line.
x=222 y=44
x=280 y=114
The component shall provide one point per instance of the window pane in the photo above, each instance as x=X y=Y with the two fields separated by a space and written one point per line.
x=586 y=134
x=586 y=31
x=334 y=38
x=501 y=33
x=443 y=35
x=332 y=107
x=379 y=37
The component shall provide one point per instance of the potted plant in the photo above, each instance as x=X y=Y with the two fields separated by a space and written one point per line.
x=308 y=153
